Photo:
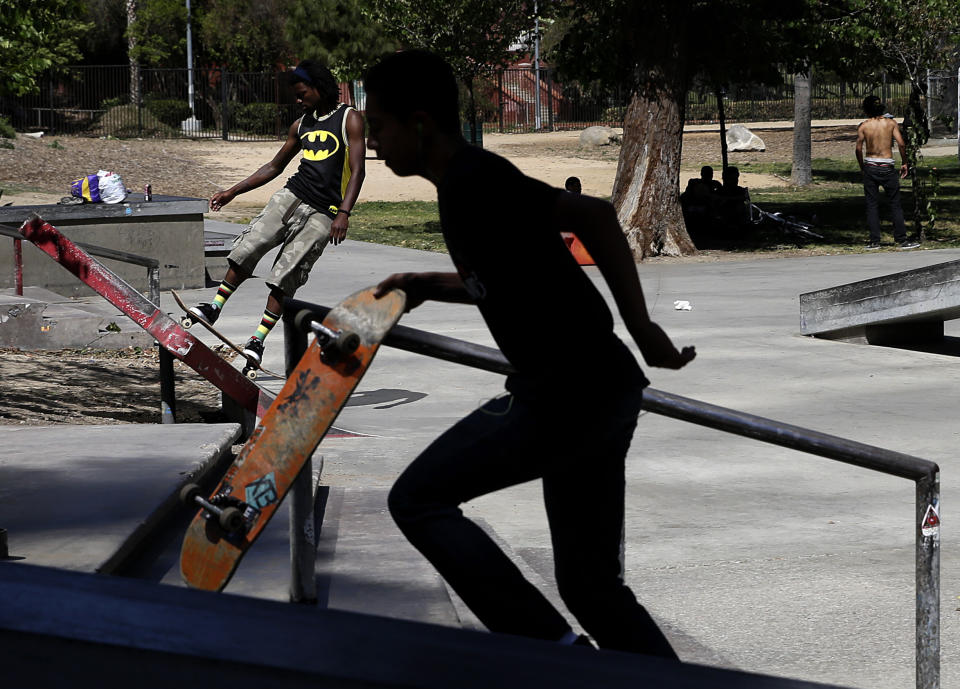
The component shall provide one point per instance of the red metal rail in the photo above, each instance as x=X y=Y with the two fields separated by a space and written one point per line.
x=148 y=316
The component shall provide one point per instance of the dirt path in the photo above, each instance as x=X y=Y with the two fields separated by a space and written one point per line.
x=199 y=168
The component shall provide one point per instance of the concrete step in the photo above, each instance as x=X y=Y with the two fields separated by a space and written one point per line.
x=89 y=498
x=42 y=320
x=161 y=636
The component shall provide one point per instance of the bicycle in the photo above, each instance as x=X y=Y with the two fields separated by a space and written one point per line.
x=785 y=222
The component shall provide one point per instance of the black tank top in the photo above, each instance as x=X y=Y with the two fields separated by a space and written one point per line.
x=321 y=180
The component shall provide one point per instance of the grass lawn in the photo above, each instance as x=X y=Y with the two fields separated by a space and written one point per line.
x=833 y=203
x=412 y=224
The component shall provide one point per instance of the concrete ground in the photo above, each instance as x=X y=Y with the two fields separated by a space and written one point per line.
x=751 y=556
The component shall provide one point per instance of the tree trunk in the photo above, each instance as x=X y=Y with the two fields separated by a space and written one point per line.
x=722 y=116
x=646 y=192
x=131 y=44
x=802 y=174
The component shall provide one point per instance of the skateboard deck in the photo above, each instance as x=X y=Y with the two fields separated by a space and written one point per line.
x=188 y=319
x=230 y=521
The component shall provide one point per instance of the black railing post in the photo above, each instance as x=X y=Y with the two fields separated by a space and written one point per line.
x=303 y=541
x=500 y=99
x=224 y=114
x=928 y=581
x=168 y=397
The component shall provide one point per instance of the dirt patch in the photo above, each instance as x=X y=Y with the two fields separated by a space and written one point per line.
x=200 y=168
x=97 y=387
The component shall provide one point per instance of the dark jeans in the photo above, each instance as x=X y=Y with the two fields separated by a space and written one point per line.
x=886 y=176
x=579 y=455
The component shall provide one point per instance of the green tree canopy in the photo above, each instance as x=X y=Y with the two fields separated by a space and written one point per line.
x=255 y=41
x=473 y=36
x=160 y=33
x=343 y=34
x=35 y=36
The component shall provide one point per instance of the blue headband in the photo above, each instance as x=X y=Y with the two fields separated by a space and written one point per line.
x=300 y=72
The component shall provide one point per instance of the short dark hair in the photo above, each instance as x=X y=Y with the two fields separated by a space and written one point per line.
x=873 y=106
x=316 y=75
x=416 y=80
x=573 y=184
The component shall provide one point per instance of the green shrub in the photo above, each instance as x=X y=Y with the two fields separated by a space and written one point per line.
x=108 y=103
x=123 y=122
x=256 y=118
x=6 y=129
x=169 y=111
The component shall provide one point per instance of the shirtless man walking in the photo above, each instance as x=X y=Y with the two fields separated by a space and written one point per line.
x=875 y=137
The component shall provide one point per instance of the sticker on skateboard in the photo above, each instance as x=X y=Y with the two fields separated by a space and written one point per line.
x=189 y=318
x=229 y=522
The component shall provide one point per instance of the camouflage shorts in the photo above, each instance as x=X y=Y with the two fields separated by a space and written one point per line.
x=300 y=230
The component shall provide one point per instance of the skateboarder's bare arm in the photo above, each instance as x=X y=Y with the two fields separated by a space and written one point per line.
x=595 y=224
x=421 y=287
x=266 y=173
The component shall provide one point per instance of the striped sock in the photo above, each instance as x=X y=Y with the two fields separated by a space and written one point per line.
x=223 y=293
x=266 y=325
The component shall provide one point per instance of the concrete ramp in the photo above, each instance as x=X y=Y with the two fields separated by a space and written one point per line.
x=119 y=632
x=910 y=306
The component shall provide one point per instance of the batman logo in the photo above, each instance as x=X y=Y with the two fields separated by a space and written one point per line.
x=319 y=145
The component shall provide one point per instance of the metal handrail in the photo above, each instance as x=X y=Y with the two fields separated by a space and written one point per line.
x=924 y=473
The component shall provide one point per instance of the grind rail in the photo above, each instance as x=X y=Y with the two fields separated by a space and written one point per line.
x=924 y=473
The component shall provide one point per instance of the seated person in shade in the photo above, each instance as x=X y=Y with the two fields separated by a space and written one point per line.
x=733 y=201
x=698 y=199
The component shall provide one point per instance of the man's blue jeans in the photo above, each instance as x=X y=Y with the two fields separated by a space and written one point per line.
x=577 y=449
x=886 y=176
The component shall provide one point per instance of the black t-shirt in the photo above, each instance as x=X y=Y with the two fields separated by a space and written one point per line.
x=543 y=311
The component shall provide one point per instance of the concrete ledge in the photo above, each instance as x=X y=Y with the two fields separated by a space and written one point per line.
x=168 y=229
x=41 y=320
x=903 y=306
x=162 y=636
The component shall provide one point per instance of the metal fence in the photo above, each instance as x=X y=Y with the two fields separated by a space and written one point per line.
x=523 y=100
x=107 y=101
x=166 y=103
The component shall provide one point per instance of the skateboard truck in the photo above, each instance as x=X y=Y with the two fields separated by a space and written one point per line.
x=229 y=517
x=337 y=340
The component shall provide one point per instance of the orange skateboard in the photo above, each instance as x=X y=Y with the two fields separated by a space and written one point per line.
x=230 y=521
x=187 y=320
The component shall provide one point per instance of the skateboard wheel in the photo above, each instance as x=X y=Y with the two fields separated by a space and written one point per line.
x=186 y=322
x=231 y=519
x=348 y=342
x=303 y=318
x=189 y=494
x=250 y=373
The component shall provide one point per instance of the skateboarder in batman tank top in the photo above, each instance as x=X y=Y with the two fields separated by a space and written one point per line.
x=310 y=211
x=569 y=411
